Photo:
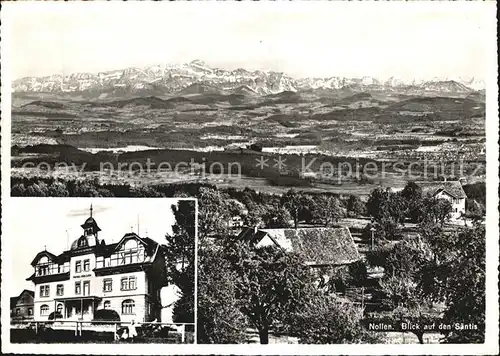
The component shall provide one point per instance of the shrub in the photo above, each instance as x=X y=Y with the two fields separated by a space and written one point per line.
x=56 y=314
x=106 y=315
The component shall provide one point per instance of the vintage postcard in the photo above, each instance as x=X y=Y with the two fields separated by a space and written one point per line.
x=100 y=270
x=250 y=177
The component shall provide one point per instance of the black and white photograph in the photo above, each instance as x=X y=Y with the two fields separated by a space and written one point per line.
x=101 y=271
x=342 y=158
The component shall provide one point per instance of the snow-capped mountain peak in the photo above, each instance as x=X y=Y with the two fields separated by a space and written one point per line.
x=172 y=78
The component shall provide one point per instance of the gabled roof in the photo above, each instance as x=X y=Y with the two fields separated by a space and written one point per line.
x=150 y=245
x=13 y=300
x=318 y=246
x=51 y=257
x=452 y=188
x=145 y=240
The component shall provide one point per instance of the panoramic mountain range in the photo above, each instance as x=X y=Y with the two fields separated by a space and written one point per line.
x=197 y=78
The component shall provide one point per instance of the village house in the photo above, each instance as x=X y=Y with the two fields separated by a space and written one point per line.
x=21 y=307
x=449 y=190
x=126 y=277
x=320 y=247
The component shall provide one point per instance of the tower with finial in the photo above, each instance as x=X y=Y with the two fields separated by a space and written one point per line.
x=90 y=226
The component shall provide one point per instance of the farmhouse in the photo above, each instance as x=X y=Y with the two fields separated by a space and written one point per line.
x=125 y=277
x=21 y=307
x=449 y=190
x=320 y=247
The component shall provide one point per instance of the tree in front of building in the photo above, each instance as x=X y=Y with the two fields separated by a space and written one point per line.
x=436 y=210
x=270 y=284
x=456 y=276
x=328 y=210
x=179 y=256
x=412 y=195
x=327 y=319
x=292 y=201
x=355 y=206
x=219 y=319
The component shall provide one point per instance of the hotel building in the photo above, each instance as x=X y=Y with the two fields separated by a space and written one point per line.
x=126 y=277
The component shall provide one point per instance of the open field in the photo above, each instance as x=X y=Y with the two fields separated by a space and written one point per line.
x=232 y=131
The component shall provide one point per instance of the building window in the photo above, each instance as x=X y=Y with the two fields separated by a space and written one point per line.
x=44 y=291
x=30 y=311
x=82 y=242
x=128 y=306
x=59 y=309
x=60 y=289
x=107 y=285
x=44 y=309
x=78 y=287
x=18 y=311
x=78 y=266
x=43 y=270
x=86 y=265
x=86 y=288
x=107 y=304
x=128 y=283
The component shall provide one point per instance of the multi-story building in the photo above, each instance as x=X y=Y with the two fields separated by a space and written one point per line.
x=449 y=190
x=126 y=277
x=21 y=307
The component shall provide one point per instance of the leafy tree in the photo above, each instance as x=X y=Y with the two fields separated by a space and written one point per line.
x=412 y=194
x=18 y=190
x=255 y=216
x=456 y=276
x=269 y=284
x=328 y=210
x=86 y=189
x=436 y=210
x=105 y=193
x=220 y=320
x=293 y=202
x=386 y=229
x=384 y=204
x=476 y=191
x=213 y=212
x=355 y=206
x=276 y=217
x=307 y=211
x=474 y=211
x=39 y=189
x=145 y=191
x=326 y=319
x=400 y=285
x=58 y=189
x=179 y=256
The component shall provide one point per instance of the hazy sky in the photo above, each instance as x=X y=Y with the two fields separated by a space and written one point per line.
x=407 y=40
x=36 y=224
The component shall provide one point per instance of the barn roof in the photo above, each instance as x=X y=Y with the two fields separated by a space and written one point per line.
x=453 y=188
x=318 y=246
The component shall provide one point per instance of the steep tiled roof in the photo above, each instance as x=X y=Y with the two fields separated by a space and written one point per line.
x=453 y=188
x=318 y=246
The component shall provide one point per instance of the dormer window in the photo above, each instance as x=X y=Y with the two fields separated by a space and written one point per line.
x=82 y=242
